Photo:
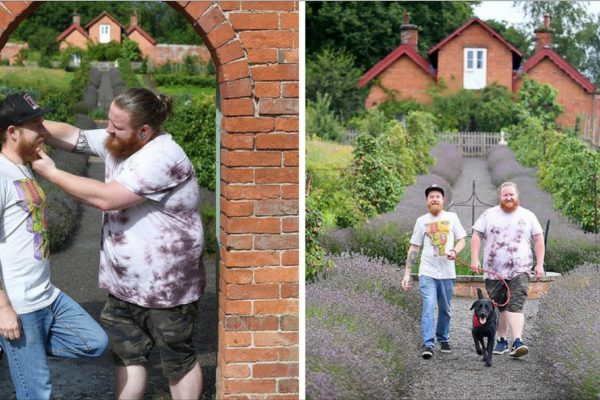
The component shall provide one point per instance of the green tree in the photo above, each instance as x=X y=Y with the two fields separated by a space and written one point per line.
x=130 y=50
x=370 y=30
x=321 y=121
x=538 y=100
x=332 y=72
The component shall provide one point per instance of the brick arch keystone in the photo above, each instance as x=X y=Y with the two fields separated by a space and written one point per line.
x=254 y=46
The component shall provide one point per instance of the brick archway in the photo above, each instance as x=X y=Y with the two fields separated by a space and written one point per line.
x=254 y=46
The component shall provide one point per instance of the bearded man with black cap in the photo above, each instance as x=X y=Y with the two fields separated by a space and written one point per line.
x=442 y=237
x=36 y=318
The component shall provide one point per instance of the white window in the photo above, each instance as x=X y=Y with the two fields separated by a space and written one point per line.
x=475 y=62
x=104 y=33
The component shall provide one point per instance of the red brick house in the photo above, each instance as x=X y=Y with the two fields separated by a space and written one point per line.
x=105 y=28
x=475 y=56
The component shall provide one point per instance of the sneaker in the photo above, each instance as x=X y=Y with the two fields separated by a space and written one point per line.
x=426 y=352
x=445 y=347
x=518 y=348
x=501 y=346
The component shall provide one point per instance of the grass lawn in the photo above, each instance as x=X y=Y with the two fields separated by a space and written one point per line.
x=328 y=154
x=44 y=80
x=191 y=91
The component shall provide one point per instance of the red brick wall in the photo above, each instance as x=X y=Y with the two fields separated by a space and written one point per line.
x=74 y=39
x=255 y=49
x=451 y=64
x=408 y=80
x=575 y=100
x=11 y=50
x=175 y=53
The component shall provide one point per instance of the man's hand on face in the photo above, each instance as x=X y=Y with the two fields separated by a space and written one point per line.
x=44 y=165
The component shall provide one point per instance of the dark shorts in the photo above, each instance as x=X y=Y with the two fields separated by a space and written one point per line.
x=519 y=287
x=134 y=331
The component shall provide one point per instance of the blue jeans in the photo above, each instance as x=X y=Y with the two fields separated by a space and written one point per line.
x=63 y=329
x=435 y=291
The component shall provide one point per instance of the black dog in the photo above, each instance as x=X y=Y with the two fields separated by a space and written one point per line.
x=485 y=325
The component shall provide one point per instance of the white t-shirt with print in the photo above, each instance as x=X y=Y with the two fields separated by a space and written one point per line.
x=507 y=236
x=151 y=253
x=24 y=253
x=436 y=235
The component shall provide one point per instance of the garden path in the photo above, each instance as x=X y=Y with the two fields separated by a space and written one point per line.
x=462 y=374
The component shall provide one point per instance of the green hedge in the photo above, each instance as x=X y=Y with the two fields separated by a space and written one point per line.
x=193 y=127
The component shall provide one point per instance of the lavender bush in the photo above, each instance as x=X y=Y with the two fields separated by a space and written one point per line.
x=499 y=154
x=503 y=165
x=361 y=335
x=449 y=161
x=568 y=324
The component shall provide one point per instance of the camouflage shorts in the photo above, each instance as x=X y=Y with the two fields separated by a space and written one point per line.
x=519 y=287
x=134 y=330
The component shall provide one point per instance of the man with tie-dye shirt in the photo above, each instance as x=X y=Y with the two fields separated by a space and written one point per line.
x=36 y=318
x=152 y=238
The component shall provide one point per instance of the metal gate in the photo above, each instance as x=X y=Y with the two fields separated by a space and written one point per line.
x=474 y=144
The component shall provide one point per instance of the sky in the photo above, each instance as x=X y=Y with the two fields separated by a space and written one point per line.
x=504 y=11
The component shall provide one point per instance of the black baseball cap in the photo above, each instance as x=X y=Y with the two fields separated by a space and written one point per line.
x=18 y=108
x=433 y=187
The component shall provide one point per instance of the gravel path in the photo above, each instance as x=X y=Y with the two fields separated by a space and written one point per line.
x=462 y=374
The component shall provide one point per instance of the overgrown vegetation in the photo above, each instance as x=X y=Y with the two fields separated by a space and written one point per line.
x=570 y=315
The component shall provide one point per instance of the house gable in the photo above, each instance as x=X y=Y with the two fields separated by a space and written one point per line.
x=104 y=18
x=73 y=36
x=501 y=58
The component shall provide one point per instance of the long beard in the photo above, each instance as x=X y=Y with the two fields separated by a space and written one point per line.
x=28 y=150
x=434 y=209
x=509 y=207
x=120 y=148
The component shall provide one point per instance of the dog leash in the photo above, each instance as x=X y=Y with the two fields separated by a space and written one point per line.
x=464 y=264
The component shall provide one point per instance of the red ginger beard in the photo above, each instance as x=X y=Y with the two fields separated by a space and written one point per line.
x=28 y=150
x=435 y=209
x=509 y=206
x=120 y=148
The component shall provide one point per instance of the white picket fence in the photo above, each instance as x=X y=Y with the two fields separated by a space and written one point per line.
x=474 y=144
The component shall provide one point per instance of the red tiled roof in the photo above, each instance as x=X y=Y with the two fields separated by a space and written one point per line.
x=401 y=50
x=104 y=13
x=467 y=24
x=73 y=27
x=562 y=64
x=141 y=32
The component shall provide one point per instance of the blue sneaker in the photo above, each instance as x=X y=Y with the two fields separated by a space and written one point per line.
x=518 y=348
x=501 y=346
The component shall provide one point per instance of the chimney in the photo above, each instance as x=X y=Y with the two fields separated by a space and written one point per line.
x=76 y=18
x=409 y=33
x=543 y=35
x=133 y=20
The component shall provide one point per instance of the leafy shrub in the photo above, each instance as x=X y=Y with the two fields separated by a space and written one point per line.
x=103 y=51
x=193 y=127
x=487 y=110
x=394 y=109
x=389 y=241
x=360 y=332
x=315 y=261
x=130 y=50
x=421 y=130
x=568 y=173
x=570 y=315
x=377 y=188
x=321 y=122
x=373 y=122
x=127 y=73
x=539 y=101
x=528 y=140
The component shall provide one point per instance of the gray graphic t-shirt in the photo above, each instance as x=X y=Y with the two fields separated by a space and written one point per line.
x=151 y=253
x=507 y=249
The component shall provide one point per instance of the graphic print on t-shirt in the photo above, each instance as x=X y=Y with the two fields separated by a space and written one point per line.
x=438 y=234
x=33 y=202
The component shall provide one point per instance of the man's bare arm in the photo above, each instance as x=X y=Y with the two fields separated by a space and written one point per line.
x=62 y=136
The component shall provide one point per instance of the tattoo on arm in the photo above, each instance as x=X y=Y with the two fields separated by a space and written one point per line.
x=411 y=259
x=82 y=145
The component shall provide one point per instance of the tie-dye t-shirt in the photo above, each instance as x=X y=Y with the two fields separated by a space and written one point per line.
x=507 y=236
x=151 y=253
x=436 y=234
x=24 y=262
